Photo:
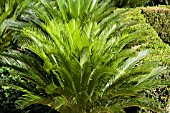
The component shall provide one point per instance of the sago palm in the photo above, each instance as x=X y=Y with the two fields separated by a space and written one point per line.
x=11 y=10
x=6 y=9
x=75 y=61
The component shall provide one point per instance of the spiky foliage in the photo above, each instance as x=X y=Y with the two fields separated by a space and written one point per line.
x=5 y=11
x=10 y=9
x=76 y=62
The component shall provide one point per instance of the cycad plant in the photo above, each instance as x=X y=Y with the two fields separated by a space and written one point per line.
x=6 y=9
x=10 y=9
x=75 y=61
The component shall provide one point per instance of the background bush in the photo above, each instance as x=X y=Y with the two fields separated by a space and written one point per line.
x=149 y=39
x=159 y=18
x=7 y=95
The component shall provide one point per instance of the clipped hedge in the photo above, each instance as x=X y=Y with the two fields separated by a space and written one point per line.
x=159 y=18
x=149 y=39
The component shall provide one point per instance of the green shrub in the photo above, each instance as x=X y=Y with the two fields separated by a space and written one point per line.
x=7 y=95
x=159 y=18
x=148 y=38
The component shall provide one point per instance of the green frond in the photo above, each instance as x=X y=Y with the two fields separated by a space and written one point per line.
x=63 y=9
x=113 y=109
x=121 y=71
x=145 y=103
x=131 y=61
x=87 y=5
x=155 y=71
x=98 y=72
x=27 y=99
x=8 y=9
x=145 y=68
x=59 y=101
x=11 y=85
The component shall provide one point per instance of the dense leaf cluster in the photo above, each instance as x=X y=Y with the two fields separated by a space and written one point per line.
x=72 y=57
x=159 y=18
x=159 y=50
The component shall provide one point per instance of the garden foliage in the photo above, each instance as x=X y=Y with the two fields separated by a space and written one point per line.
x=159 y=51
x=7 y=95
x=10 y=9
x=159 y=18
x=74 y=58
x=148 y=37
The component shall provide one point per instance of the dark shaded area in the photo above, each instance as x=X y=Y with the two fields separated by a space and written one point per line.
x=133 y=109
x=157 y=2
x=9 y=96
x=7 y=101
x=38 y=108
